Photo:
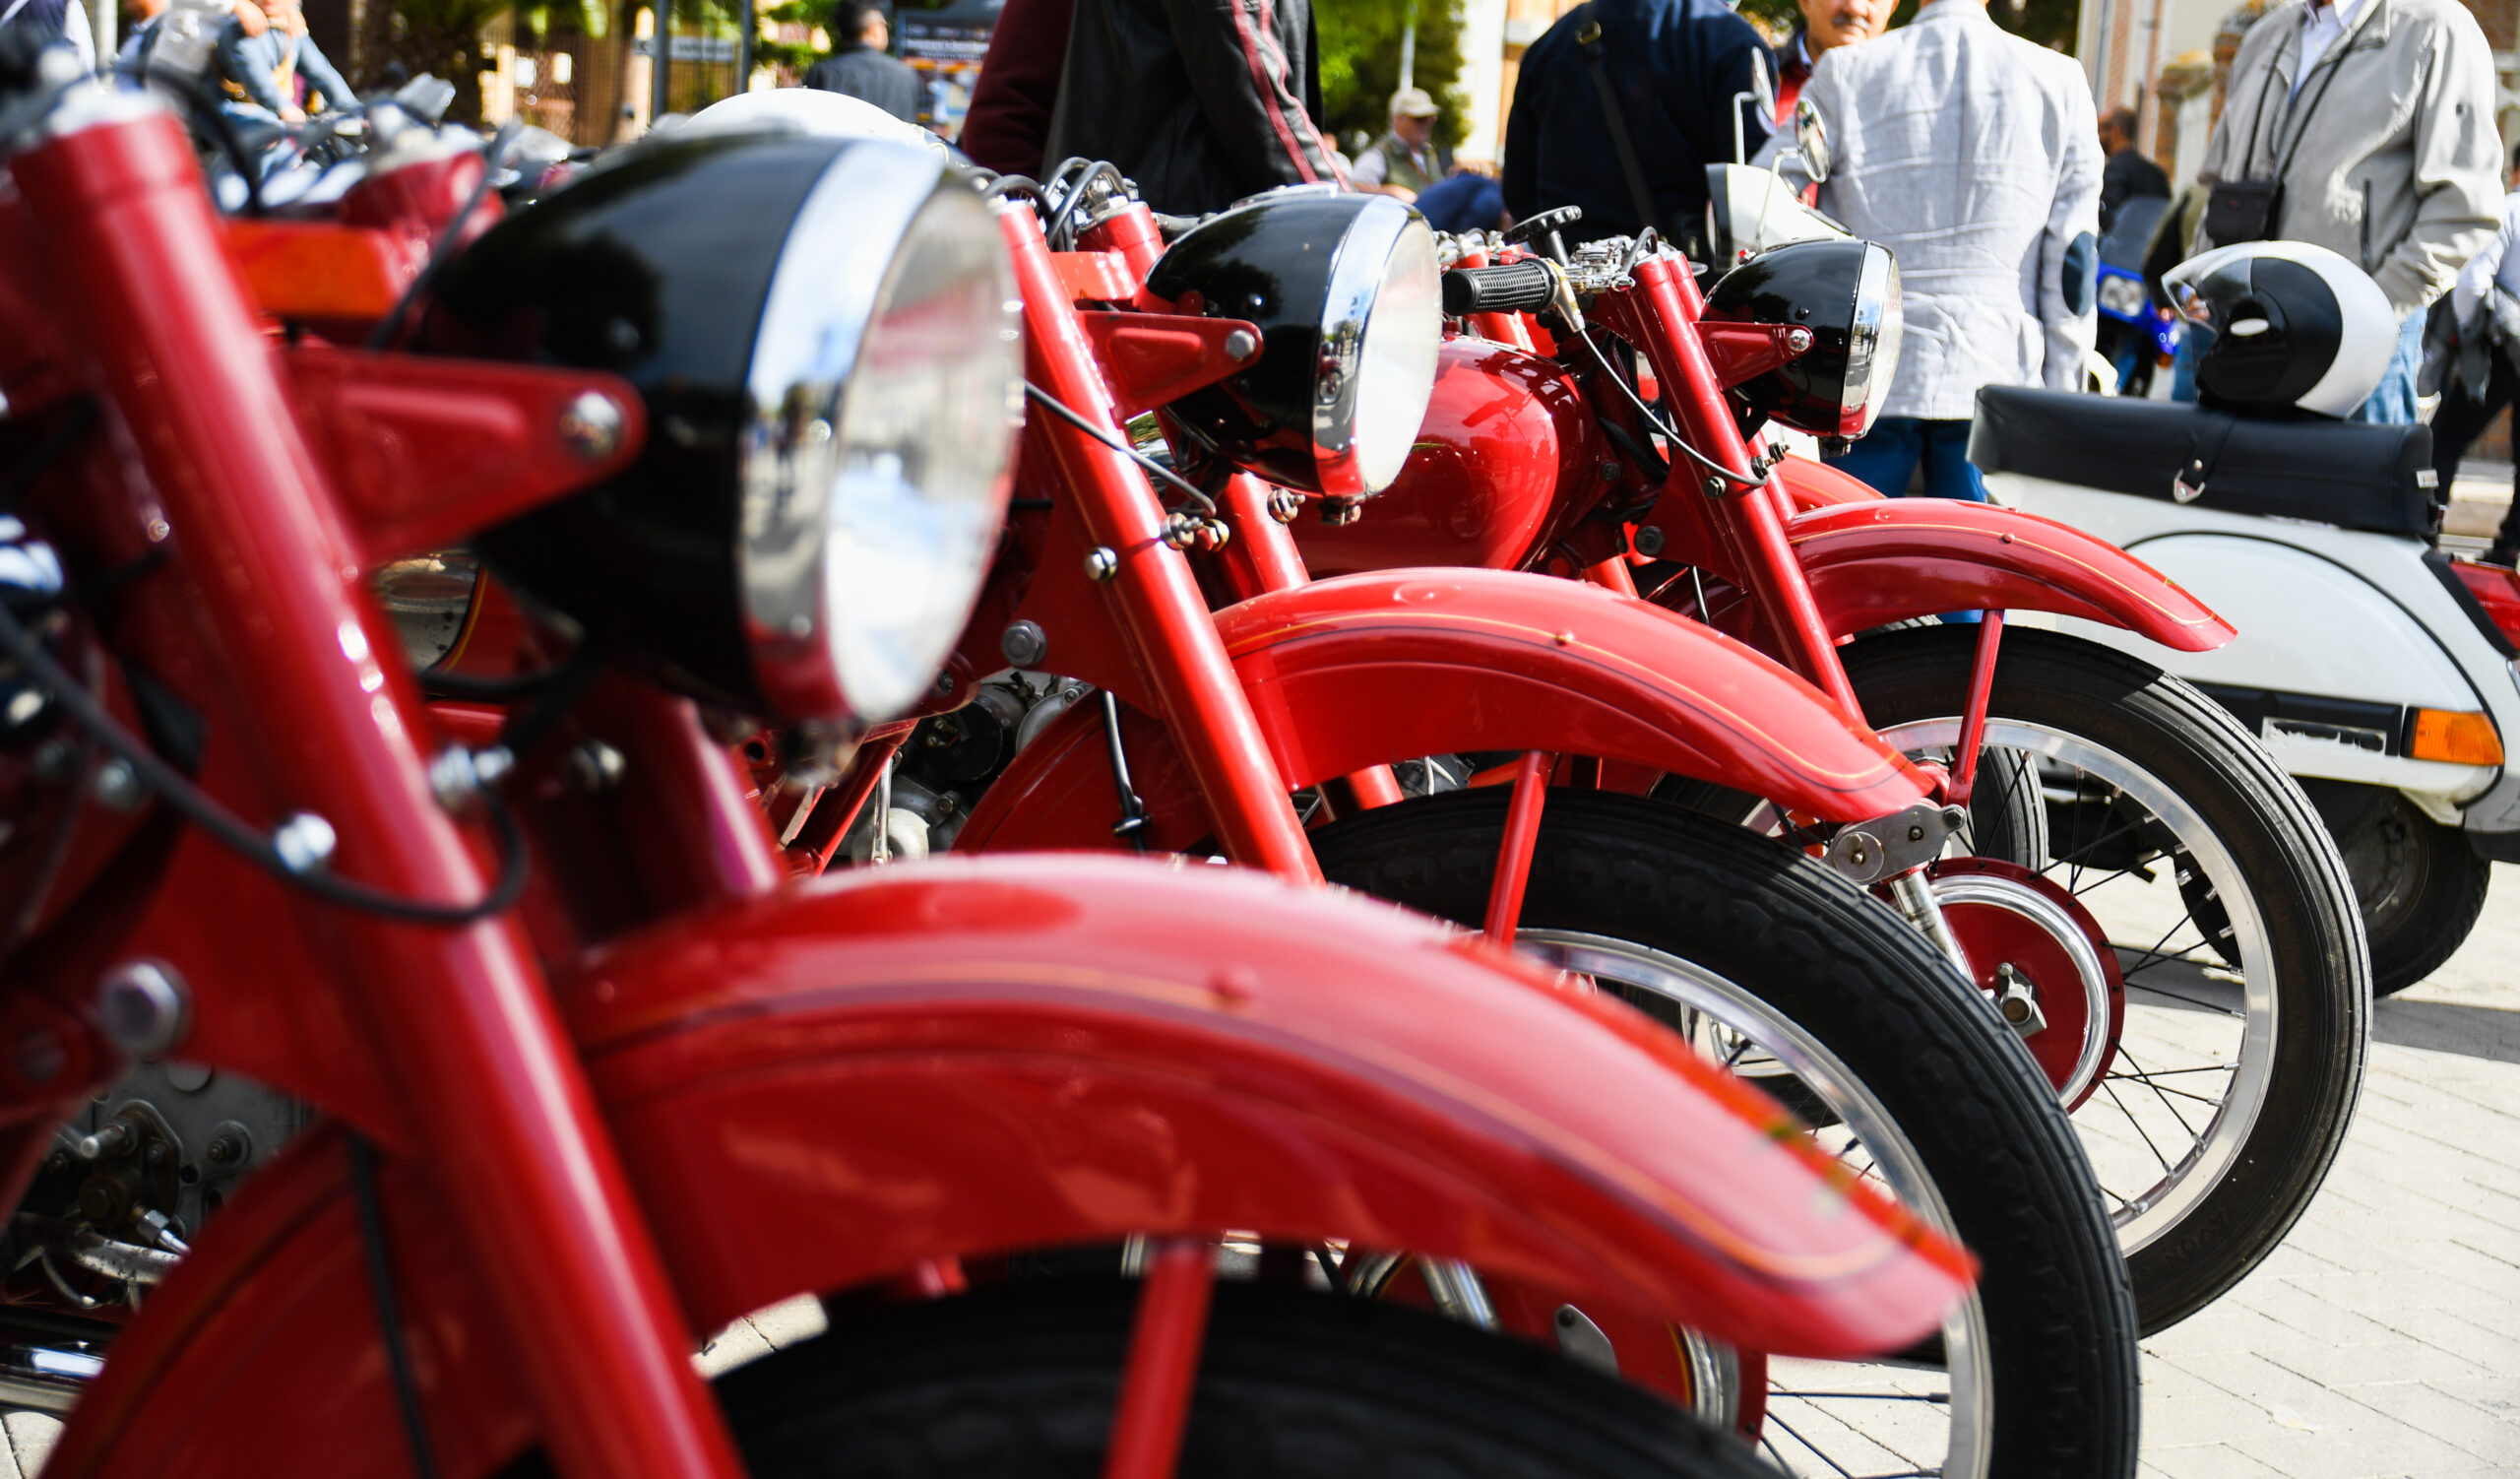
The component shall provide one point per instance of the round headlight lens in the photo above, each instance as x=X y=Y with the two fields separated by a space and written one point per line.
x=883 y=422
x=925 y=437
x=1396 y=367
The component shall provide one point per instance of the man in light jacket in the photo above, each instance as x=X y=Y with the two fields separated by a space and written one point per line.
x=2379 y=117
x=1975 y=157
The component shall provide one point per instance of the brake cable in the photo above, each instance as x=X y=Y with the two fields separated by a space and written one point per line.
x=231 y=830
x=1154 y=468
x=1663 y=427
x=389 y=1310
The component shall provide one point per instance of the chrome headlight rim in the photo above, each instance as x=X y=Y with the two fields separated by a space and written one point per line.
x=845 y=258
x=1874 y=336
x=1385 y=237
x=1312 y=270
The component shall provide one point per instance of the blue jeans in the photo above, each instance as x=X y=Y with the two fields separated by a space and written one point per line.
x=2392 y=404
x=1887 y=459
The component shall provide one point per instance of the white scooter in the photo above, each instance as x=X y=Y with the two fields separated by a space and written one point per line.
x=2378 y=671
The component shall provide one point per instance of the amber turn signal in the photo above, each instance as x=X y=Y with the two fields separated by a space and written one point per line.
x=2460 y=738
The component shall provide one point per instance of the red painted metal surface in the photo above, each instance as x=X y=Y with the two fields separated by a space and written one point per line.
x=1150 y=594
x=1508 y=455
x=1371 y=670
x=478 y=1053
x=1897 y=558
x=423 y=451
x=318 y=271
x=1514 y=849
x=1150 y=358
x=1992 y=936
x=1660 y=318
x=1973 y=713
x=1739 y=350
x=1163 y=1369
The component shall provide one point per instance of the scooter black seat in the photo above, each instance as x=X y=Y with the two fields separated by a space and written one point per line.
x=2353 y=476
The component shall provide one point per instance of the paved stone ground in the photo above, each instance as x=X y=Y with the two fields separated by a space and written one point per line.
x=2383 y=1338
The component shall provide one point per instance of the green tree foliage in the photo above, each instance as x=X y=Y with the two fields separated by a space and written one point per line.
x=1361 y=62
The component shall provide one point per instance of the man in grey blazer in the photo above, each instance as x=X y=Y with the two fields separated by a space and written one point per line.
x=1975 y=157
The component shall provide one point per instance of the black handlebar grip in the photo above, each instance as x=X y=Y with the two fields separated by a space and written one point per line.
x=1525 y=287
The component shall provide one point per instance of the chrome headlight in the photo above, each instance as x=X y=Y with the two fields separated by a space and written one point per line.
x=2120 y=294
x=1847 y=293
x=1346 y=292
x=827 y=336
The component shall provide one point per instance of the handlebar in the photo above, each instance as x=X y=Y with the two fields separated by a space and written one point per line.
x=1525 y=287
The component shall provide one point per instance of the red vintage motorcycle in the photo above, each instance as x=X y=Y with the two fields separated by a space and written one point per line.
x=573 y=1114
x=1755 y=950
x=2122 y=833
x=2131 y=846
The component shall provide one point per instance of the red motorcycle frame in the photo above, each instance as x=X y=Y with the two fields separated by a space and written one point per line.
x=743 y=1043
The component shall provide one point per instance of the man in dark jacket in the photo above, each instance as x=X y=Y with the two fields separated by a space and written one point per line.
x=2127 y=175
x=860 y=65
x=1200 y=101
x=1674 y=68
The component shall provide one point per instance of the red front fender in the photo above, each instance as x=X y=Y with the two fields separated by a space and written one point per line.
x=817 y=1089
x=1370 y=668
x=1874 y=560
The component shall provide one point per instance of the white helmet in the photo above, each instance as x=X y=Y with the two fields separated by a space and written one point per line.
x=808 y=110
x=2287 y=326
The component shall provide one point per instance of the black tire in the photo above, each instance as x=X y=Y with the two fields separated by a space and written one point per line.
x=2419 y=886
x=1865 y=985
x=2317 y=955
x=1019 y=1382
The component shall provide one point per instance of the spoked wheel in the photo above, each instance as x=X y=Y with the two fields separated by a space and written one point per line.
x=2247 y=978
x=1021 y=1381
x=1771 y=964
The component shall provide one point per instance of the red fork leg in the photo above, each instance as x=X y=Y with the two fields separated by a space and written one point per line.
x=1514 y=854
x=837 y=810
x=1154 y=596
x=461 y=1017
x=1973 y=719
x=1163 y=1369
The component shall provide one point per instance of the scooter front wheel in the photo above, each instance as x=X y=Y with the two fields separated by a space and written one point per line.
x=2246 y=973
x=1020 y=1382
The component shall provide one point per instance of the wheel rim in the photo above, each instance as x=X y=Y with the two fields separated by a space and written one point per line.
x=1842 y=1427
x=2159 y=1135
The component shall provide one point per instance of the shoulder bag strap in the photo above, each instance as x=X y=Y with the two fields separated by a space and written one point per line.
x=1588 y=41
x=2329 y=64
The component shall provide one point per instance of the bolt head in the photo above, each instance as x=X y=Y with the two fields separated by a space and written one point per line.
x=304 y=842
x=1024 y=644
x=143 y=1007
x=1240 y=345
x=1101 y=565
x=591 y=426
x=1649 y=539
x=118 y=787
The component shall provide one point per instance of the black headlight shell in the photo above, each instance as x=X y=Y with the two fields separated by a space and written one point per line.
x=1345 y=290
x=1847 y=293
x=798 y=540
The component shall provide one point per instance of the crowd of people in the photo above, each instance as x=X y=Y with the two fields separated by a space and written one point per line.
x=2363 y=126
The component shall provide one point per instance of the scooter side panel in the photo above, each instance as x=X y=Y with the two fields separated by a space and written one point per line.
x=2325 y=613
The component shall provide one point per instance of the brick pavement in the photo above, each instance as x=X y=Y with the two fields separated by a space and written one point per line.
x=2381 y=1339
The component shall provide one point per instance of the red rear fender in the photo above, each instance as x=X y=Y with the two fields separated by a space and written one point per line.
x=820 y=1088
x=1874 y=561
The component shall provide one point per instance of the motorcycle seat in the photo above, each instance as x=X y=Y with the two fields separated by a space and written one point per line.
x=2341 y=472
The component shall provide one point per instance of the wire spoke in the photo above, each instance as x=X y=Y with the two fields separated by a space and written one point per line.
x=2194 y=1136
x=2140 y=1131
x=1807 y=1446
x=2158 y=991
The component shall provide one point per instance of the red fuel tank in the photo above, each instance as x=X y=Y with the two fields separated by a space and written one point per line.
x=1507 y=439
